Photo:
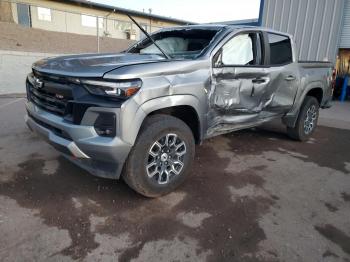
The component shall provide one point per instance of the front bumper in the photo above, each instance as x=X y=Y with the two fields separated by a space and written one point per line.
x=100 y=156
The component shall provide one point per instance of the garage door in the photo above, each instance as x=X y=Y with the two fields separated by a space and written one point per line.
x=345 y=35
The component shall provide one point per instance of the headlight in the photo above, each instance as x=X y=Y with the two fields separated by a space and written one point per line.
x=125 y=88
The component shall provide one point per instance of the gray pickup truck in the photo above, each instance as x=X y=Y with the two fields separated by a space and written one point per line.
x=138 y=114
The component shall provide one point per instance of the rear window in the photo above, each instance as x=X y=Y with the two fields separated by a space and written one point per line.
x=280 y=49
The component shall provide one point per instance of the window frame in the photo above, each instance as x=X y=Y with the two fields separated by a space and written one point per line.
x=120 y=29
x=42 y=16
x=268 y=49
x=258 y=40
x=98 y=20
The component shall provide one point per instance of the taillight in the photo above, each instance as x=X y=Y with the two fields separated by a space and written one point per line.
x=334 y=76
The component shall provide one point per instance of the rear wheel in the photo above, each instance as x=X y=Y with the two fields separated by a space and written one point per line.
x=160 y=159
x=307 y=120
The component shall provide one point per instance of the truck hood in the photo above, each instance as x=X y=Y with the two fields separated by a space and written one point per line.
x=91 y=65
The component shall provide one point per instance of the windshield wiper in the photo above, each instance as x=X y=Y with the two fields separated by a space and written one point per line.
x=149 y=37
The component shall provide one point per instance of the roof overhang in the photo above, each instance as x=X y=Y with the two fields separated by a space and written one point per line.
x=110 y=8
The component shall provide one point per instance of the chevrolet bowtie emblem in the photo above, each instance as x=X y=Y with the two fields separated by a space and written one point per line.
x=58 y=96
x=38 y=83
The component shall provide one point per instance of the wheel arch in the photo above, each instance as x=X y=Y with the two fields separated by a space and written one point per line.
x=314 y=89
x=185 y=107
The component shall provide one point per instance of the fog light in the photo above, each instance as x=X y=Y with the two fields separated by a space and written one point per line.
x=105 y=125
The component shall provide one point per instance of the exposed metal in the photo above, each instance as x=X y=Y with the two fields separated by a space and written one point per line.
x=315 y=25
x=166 y=158
x=224 y=98
x=345 y=32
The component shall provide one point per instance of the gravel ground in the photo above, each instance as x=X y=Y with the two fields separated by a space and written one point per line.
x=253 y=195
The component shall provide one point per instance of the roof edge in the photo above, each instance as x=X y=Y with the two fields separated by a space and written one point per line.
x=125 y=11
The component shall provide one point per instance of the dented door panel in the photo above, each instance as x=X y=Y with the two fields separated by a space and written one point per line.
x=239 y=90
x=283 y=88
x=247 y=96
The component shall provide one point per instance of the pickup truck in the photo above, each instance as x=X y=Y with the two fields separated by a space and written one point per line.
x=139 y=114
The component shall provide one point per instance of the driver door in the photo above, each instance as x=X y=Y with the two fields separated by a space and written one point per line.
x=239 y=81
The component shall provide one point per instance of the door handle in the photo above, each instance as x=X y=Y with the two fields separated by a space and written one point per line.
x=290 y=78
x=258 y=80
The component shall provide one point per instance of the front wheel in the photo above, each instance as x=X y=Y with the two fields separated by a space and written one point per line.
x=307 y=120
x=161 y=156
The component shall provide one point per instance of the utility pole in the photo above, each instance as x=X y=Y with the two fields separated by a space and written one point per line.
x=98 y=35
x=150 y=20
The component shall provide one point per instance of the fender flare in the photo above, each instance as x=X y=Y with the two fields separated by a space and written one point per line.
x=291 y=117
x=131 y=129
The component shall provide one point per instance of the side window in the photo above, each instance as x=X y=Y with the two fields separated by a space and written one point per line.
x=280 y=49
x=238 y=51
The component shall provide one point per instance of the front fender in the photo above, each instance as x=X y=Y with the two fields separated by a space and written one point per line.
x=133 y=115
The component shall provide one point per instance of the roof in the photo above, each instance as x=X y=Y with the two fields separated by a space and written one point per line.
x=125 y=11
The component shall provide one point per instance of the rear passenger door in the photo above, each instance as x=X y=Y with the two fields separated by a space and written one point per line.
x=283 y=72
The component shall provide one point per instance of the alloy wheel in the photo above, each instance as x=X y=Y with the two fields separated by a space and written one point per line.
x=166 y=158
x=310 y=120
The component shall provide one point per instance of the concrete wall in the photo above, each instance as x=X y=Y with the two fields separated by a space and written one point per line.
x=67 y=18
x=14 y=67
x=6 y=12
x=18 y=38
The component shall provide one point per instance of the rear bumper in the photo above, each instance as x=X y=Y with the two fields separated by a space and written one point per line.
x=101 y=156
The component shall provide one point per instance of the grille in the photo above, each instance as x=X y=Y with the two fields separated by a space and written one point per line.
x=49 y=94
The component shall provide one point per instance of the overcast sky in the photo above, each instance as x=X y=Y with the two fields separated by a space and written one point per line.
x=200 y=11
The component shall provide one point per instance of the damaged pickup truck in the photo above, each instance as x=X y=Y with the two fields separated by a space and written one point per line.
x=138 y=114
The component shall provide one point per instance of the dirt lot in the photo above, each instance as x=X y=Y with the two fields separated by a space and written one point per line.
x=253 y=196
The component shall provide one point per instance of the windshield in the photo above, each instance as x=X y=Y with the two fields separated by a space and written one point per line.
x=178 y=43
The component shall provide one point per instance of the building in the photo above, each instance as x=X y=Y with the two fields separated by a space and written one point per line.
x=321 y=29
x=315 y=24
x=82 y=17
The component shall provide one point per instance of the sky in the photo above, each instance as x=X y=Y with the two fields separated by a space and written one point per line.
x=199 y=11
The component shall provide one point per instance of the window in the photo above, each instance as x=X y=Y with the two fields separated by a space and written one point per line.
x=280 y=49
x=145 y=27
x=44 y=14
x=122 y=26
x=238 y=51
x=90 y=21
x=23 y=15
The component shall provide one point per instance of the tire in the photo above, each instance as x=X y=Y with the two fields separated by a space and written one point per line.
x=302 y=130
x=154 y=177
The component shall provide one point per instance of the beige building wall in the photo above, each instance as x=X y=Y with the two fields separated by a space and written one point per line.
x=68 y=18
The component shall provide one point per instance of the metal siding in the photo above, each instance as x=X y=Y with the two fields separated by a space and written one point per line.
x=345 y=35
x=285 y=15
x=316 y=33
x=315 y=25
